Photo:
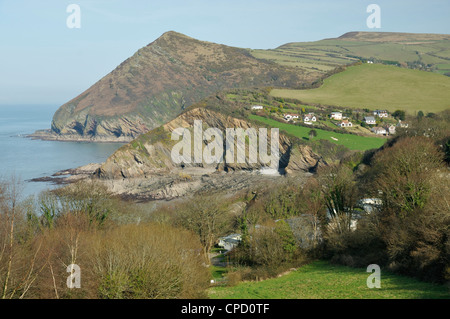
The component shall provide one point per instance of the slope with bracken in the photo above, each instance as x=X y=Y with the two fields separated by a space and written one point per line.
x=158 y=82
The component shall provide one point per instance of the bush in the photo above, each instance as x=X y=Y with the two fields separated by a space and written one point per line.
x=268 y=250
x=150 y=261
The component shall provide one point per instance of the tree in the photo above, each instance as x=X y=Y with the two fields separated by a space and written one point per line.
x=313 y=206
x=399 y=115
x=19 y=249
x=340 y=193
x=415 y=214
x=312 y=134
x=206 y=217
x=420 y=115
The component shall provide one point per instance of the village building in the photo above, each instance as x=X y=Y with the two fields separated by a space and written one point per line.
x=390 y=129
x=379 y=130
x=229 y=242
x=289 y=117
x=402 y=124
x=257 y=107
x=370 y=120
x=345 y=123
x=381 y=113
x=336 y=115
x=310 y=117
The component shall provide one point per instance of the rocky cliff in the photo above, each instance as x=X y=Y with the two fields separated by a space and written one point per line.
x=160 y=80
x=144 y=168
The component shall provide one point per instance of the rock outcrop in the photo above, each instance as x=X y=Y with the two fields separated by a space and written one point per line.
x=144 y=168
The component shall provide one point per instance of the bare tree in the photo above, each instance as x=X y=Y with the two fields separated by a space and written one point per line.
x=340 y=194
x=205 y=216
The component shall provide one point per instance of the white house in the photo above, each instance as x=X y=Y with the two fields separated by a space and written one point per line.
x=336 y=115
x=379 y=130
x=345 y=123
x=229 y=242
x=289 y=117
x=370 y=120
x=257 y=107
x=381 y=113
x=309 y=118
x=402 y=124
x=390 y=129
x=370 y=204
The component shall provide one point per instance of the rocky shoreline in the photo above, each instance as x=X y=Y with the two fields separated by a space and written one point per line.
x=175 y=185
x=48 y=135
x=70 y=175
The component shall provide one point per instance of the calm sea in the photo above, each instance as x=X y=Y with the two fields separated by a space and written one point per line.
x=25 y=158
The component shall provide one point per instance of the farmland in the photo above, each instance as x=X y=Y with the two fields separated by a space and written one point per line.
x=429 y=52
x=376 y=86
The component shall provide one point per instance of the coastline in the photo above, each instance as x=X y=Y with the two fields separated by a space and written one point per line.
x=48 y=135
x=70 y=175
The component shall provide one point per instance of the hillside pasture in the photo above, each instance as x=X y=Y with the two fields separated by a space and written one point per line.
x=376 y=86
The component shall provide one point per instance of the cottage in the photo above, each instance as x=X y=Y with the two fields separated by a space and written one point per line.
x=379 y=130
x=309 y=118
x=381 y=113
x=345 y=123
x=229 y=242
x=370 y=204
x=402 y=124
x=336 y=115
x=257 y=107
x=289 y=117
x=390 y=129
x=370 y=120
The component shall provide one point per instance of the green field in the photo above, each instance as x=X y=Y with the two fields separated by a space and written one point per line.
x=376 y=86
x=322 y=280
x=353 y=142
x=428 y=51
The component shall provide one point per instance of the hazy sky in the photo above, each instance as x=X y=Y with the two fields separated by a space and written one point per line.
x=42 y=61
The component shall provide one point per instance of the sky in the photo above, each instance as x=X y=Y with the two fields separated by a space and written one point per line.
x=43 y=61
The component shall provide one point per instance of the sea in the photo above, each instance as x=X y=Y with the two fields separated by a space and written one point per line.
x=24 y=159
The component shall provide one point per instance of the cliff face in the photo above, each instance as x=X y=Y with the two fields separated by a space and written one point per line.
x=160 y=80
x=144 y=168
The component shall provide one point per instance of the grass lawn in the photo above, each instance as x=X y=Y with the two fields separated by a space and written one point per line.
x=376 y=86
x=322 y=280
x=353 y=142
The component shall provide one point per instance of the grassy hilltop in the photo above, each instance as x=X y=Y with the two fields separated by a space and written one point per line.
x=429 y=52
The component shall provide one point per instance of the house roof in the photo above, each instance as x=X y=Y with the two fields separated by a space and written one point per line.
x=369 y=118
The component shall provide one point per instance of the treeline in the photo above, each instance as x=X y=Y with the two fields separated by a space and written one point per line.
x=119 y=256
x=409 y=233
